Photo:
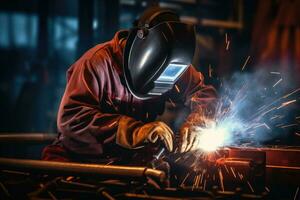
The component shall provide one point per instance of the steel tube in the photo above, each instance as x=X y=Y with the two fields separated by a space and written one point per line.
x=80 y=169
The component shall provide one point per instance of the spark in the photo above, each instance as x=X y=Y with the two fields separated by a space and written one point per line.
x=176 y=150
x=268 y=111
x=289 y=125
x=6 y=192
x=195 y=181
x=278 y=125
x=202 y=175
x=250 y=186
x=295 y=91
x=286 y=103
x=179 y=158
x=147 y=115
x=278 y=73
x=277 y=82
x=172 y=103
x=110 y=162
x=296 y=194
x=226 y=169
x=159 y=153
x=198 y=180
x=245 y=63
x=185 y=178
x=268 y=105
x=232 y=172
x=235 y=121
x=221 y=179
x=177 y=88
x=265 y=125
x=260 y=125
x=275 y=117
x=227 y=42
x=267 y=189
x=227 y=45
x=210 y=70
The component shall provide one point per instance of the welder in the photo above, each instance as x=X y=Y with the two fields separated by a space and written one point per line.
x=116 y=90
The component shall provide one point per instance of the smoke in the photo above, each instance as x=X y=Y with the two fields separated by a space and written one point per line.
x=254 y=108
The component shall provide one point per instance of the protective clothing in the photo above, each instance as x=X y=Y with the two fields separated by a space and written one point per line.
x=97 y=109
x=132 y=135
x=157 y=53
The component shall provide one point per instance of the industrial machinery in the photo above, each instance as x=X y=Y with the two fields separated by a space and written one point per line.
x=230 y=173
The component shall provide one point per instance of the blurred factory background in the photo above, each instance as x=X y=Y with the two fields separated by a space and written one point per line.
x=40 y=39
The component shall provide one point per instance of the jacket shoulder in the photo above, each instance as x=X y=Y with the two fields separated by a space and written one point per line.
x=96 y=58
x=98 y=55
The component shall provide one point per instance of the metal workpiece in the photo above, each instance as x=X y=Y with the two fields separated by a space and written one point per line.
x=234 y=173
x=79 y=169
x=235 y=162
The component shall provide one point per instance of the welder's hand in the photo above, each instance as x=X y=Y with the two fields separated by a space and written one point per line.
x=132 y=134
x=158 y=131
x=189 y=136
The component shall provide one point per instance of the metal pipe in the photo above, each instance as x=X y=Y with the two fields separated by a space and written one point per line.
x=236 y=162
x=212 y=22
x=80 y=169
x=27 y=137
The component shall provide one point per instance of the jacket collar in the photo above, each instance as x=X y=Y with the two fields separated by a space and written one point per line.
x=118 y=44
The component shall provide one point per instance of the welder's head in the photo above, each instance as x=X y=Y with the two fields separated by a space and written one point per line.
x=158 y=50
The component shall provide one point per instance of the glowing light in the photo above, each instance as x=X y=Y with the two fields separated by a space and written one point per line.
x=210 y=139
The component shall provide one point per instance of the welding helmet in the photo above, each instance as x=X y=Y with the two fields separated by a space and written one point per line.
x=157 y=52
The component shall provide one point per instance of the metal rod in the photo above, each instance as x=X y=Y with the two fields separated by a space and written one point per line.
x=213 y=22
x=27 y=137
x=80 y=169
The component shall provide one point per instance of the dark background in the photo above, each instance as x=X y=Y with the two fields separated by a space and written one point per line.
x=40 y=39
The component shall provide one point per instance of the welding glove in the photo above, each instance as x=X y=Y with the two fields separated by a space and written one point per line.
x=134 y=134
x=189 y=136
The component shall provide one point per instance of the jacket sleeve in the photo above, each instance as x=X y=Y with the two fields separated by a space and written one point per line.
x=192 y=92
x=84 y=126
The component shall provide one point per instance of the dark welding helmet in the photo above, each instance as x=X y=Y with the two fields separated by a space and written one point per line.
x=157 y=52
